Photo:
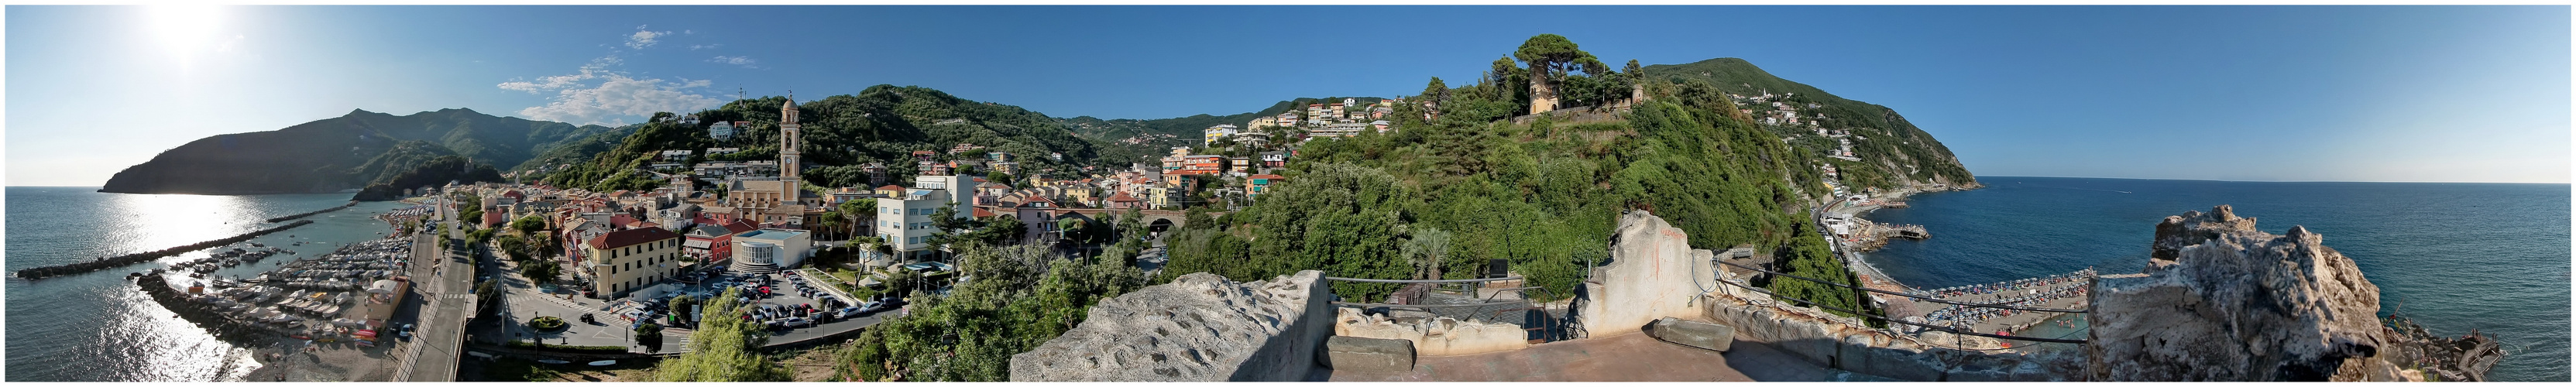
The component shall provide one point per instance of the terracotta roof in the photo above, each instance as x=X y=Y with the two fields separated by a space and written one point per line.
x=981 y=213
x=1122 y=197
x=891 y=187
x=741 y=225
x=1268 y=177
x=631 y=237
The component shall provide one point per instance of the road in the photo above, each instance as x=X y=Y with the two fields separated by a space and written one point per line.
x=450 y=291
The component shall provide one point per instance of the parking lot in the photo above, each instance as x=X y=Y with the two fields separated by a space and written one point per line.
x=790 y=309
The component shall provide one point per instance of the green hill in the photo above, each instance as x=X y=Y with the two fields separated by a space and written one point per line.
x=1891 y=144
x=883 y=123
x=335 y=154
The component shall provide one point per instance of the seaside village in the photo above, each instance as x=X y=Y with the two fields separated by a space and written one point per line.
x=625 y=259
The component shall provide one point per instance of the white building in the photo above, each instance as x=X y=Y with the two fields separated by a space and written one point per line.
x=1218 y=132
x=722 y=130
x=905 y=220
x=768 y=250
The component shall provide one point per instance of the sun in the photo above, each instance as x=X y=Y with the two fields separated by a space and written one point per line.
x=184 y=29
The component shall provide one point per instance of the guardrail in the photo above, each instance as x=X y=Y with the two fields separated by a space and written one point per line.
x=1897 y=321
x=1546 y=325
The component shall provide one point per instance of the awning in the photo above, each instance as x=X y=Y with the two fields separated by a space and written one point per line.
x=697 y=243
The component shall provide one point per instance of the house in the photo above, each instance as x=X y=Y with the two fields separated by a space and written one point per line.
x=889 y=190
x=924 y=155
x=1260 y=184
x=1038 y=218
x=1274 y=159
x=845 y=195
x=1220 y=131
x=677 y=217
x=713 y=243
x=1121 y=201
x=621 y=262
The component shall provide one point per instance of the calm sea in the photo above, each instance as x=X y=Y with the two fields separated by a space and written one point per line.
x=2491 y=257
x=97 y=326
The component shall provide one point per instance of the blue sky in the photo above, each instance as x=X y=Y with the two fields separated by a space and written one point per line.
x=2223 y=93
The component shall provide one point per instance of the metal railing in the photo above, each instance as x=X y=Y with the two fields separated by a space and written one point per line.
x=1893 y=320
x=1547 y=325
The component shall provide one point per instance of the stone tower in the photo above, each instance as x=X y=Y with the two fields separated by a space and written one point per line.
x=790 y=137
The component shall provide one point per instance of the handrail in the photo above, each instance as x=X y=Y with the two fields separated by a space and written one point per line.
x=1996 y=306
x=1387 y=281
x=1884 y=318
x=1375 y=305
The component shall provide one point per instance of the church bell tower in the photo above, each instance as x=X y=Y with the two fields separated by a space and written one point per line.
x=790 y=137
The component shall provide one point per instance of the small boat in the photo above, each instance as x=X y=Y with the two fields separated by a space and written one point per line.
x=603 y=363
x=552 y=361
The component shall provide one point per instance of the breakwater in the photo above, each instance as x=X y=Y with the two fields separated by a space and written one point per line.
x=352 y=203
x=129 y=259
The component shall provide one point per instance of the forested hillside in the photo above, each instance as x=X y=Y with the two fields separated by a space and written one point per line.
x=338 y=153
x=1438 y=197
x=884 y=123
x=1893 y=153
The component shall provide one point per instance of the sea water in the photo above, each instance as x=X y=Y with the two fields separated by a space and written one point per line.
x=99 y=327
x=2453 y=257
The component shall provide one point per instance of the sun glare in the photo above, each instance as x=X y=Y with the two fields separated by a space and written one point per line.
x=185 y=29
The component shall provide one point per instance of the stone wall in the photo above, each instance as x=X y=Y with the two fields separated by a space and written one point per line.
x=1199 y=327
x=1652 y=274
x=1438 y=336
x=2221 y=300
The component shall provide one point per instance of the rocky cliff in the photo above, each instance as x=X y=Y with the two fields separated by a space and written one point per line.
x=2221 y=300
x=1199 y=327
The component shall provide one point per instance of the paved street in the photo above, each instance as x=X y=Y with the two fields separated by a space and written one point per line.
x=450 y=291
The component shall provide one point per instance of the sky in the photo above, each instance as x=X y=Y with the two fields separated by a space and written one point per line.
x=2375 y=93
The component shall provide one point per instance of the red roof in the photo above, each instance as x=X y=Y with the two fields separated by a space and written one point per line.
x=981 y=213
x=1122 y=197
x=1268 y=177
x=621 y=220
x=891 y=187
x=740 y=225
x=623 y=238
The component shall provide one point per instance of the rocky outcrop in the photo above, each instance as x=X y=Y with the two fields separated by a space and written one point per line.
x=1199 y=327
x=1436 y=336
x=2223 y=301
x=1652 y=274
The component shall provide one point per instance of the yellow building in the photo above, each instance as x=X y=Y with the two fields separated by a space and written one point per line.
x=623 y=261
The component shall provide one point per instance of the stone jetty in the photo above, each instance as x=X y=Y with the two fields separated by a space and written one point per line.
x=129 y=259
x=352 y=203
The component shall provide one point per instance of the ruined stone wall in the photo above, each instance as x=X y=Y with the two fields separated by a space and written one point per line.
x=1199 y=327
x=1438 y=336
x=2221 y=300
x=1652 y=274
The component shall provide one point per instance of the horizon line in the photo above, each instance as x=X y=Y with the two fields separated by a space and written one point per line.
x=2287 y=181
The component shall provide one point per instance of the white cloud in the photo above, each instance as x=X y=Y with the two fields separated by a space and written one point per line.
x=619 y=96
x=703 y=46
x=594 y=70
x=643 y=38
x=600 y=94
x=744 y=61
